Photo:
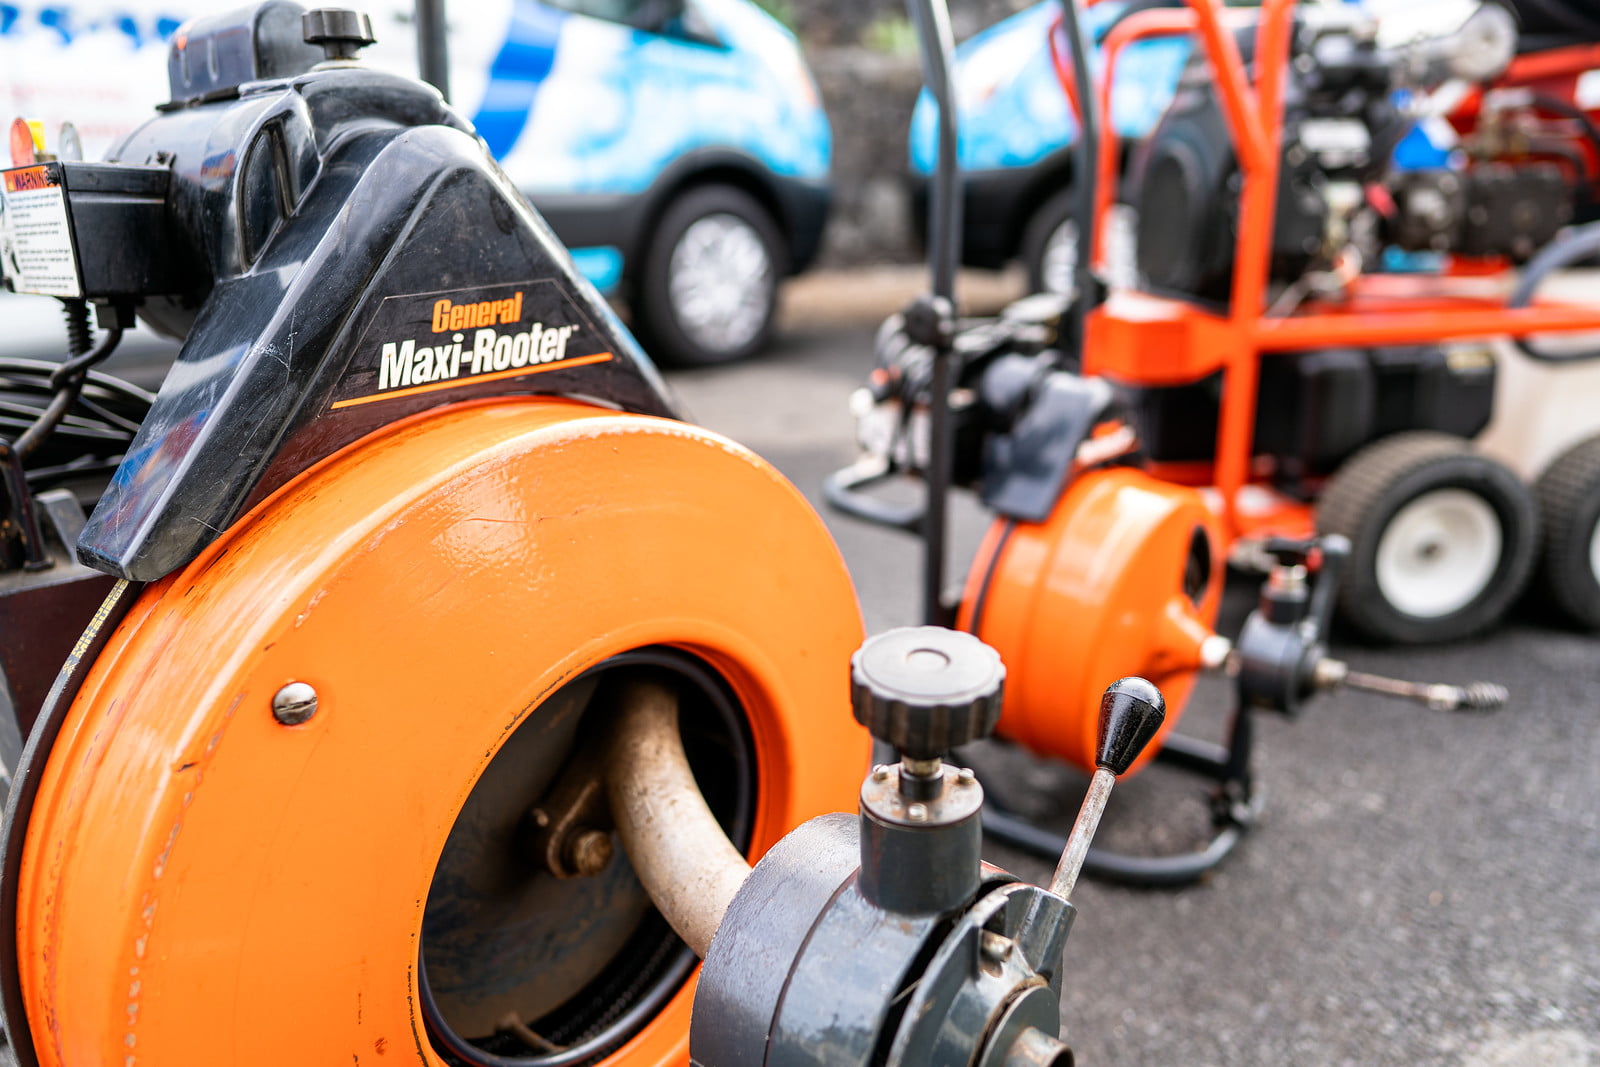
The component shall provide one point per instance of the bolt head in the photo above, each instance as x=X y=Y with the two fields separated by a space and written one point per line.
x=294 y=703
x=995 y=946
x=917 y=812
x=589 y=852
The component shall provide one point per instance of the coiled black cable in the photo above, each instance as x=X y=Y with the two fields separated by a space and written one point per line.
x=94 y=419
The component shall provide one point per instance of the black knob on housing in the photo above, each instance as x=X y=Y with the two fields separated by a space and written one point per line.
x=925 y=689
x=1287 y=552
x=1131 y=712
x=340 y=31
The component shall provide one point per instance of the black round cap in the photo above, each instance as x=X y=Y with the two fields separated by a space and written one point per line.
x=339 y=30
x=1131 y=711
x=925 y=689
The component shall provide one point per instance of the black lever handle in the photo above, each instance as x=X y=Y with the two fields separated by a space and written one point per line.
x=1131 y=711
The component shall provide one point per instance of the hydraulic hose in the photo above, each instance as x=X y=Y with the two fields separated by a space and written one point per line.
x=1556 y=105
x=1576 y=245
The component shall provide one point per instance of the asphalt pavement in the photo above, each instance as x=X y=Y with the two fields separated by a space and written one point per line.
x=1423 y=888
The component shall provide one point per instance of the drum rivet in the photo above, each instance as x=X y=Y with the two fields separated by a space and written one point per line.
x=294 y=703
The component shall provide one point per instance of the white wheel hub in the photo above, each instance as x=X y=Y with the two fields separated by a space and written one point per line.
x=1439 y=553
x=1594 y=551
x=1060 y=258
x=719 y=281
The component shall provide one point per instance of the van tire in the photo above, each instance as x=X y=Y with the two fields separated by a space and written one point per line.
x=1041 y=232
x=721 y=241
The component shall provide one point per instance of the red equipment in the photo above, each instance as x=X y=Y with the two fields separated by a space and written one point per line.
x=1146 y=340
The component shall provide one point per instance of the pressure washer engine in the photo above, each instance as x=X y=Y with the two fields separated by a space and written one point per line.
x=1350 y=100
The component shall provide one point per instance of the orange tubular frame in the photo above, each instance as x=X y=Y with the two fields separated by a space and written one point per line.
x=1145 y=339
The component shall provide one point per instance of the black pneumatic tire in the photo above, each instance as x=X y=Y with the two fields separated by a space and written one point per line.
x=1369 y=491
x=1568 y=493
x=666 y=337
x=1044 y=221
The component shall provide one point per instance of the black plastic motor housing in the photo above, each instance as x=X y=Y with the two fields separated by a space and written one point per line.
x=1316 y=408
x=321 y=220
x=1186 y=181
x=1186 y=189
x=212 y=57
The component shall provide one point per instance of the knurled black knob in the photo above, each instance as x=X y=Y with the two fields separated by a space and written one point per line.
x=340 y=31
x=925 y=689
x=1287 y=552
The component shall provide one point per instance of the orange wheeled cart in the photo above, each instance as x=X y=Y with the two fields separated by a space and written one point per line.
x=1128 y=442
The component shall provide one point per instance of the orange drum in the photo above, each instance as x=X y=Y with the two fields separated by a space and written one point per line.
x=310 y=760
x=1124 y=577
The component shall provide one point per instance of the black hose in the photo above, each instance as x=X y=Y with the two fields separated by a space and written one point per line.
x=1569 y=111
x=67 y=381
x=1574 y=158
x=1573 y=246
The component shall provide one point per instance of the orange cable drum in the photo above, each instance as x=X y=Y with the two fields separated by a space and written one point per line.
x=1092 y=594
x=204 y=886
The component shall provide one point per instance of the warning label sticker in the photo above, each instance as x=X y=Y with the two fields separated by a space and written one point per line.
x=36 y=253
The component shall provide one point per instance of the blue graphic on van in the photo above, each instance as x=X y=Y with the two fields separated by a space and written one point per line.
x=1012 y=109
x=605 y=113
x=69 y=24
x=518 y=71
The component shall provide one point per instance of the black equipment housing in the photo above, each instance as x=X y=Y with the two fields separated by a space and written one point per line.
x=300 y=225
x=1317 y=408
x=325 y=212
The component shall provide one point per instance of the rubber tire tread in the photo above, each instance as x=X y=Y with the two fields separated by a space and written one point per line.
x=1568 y=494
x=1036 y=234
x=653 y=320
x=1376 y=482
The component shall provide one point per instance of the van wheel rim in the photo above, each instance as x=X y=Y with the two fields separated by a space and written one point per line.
x=1060 y=258
x=1439 y=553
x=720 y=282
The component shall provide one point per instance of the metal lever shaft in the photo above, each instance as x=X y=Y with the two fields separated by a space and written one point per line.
x=1083 y=830
x=1131 y=713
